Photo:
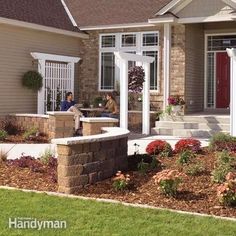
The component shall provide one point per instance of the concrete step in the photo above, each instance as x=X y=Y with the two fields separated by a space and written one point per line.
x=192 y=125
x=198 y=119
x=197 y=133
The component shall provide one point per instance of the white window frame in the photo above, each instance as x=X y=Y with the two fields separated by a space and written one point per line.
x=139 y=49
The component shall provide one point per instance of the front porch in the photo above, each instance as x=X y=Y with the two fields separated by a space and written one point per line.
x=199 y=125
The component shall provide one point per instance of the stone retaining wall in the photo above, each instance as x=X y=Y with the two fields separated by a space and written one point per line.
x=54 y=125
x=86 y=160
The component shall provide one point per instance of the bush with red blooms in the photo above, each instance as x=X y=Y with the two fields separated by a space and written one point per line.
x=176 y=100
x=159 y=147
x=226 y=192
x=188 y=144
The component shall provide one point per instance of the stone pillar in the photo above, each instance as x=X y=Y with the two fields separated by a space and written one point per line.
x=93 y=125
x=86 y=163
x=61 y=124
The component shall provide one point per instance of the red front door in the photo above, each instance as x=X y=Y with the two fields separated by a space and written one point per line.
x=222 y=80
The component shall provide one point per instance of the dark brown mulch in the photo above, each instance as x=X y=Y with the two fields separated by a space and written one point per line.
x=19 y=139
x=24 y=178
x=196 y=194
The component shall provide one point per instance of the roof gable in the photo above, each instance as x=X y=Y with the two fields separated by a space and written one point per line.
x=113 y=12
x=211 y=8
x=49 y=13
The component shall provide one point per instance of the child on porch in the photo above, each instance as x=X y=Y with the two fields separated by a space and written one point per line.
x=69 y=105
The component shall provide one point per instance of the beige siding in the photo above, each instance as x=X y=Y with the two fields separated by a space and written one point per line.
x=194 y=67
x=15 y=47
x=204 y=8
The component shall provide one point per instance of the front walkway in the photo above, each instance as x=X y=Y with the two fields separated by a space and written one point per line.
x=137 y=142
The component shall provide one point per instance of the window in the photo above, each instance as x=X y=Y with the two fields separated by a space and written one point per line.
x=150 y=39
x=107 y=70
x=128 y=40
x=108 y=41
x=145 y=43
x=153 y=69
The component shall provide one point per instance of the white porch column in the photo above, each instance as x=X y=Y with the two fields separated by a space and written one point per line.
x=41 y=70
x=232 y=55
x=146 y=100
x=166 y=63
x=124 y=94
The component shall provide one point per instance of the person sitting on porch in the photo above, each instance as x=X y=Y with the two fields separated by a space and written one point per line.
x=111 y=108
x=69 y=105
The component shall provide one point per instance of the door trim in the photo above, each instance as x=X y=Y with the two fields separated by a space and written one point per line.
x=205 y=66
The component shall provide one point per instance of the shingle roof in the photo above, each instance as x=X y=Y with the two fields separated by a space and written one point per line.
x=43 y=12
x=110 y=12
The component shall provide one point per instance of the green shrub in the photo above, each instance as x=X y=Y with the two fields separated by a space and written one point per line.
x=223 y=167
x=3 y=134
x=32 y=80
x=195 y=169
x=30 y=132
x=185 y=157
x=45 y=157
x=144 y=167
x=121 y=181
x=222 y=141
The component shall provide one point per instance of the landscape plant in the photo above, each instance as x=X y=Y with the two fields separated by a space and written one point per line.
x=159 y=147
x=10 y=126
x=32 y=80
x=195 y=169
x=185 y=157
x=188 y=144
x=136 y=76
x=222 y=141
x=121 y=181
x=223 y=166
x=168 y=181
x=226 y=192
x=32 y=132
x=3 y=135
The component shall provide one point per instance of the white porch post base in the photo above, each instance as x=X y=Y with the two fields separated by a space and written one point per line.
x=146 y=100
x=232 y=55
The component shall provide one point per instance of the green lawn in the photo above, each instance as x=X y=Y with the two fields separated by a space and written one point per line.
x=105 y=219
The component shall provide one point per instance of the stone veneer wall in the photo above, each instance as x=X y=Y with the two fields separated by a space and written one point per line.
x=54 y=125
x=86 y=161
x=135 y=120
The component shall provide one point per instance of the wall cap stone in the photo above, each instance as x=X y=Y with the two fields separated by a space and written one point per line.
x=29 y=115
x=98 y=119
x=60 y=113
x=111 y=133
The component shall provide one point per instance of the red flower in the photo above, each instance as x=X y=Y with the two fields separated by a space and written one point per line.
x=190 y=144
x=159 y=146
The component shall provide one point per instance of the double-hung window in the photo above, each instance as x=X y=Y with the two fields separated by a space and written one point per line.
x=141 y=43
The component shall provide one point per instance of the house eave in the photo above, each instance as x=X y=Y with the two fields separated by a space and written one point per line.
x=33 y=26
x=116 y=26
x=162 y=20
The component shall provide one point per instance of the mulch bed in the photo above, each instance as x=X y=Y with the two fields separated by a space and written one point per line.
x=19 y=139
x=13 y=176
x=197 y=193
